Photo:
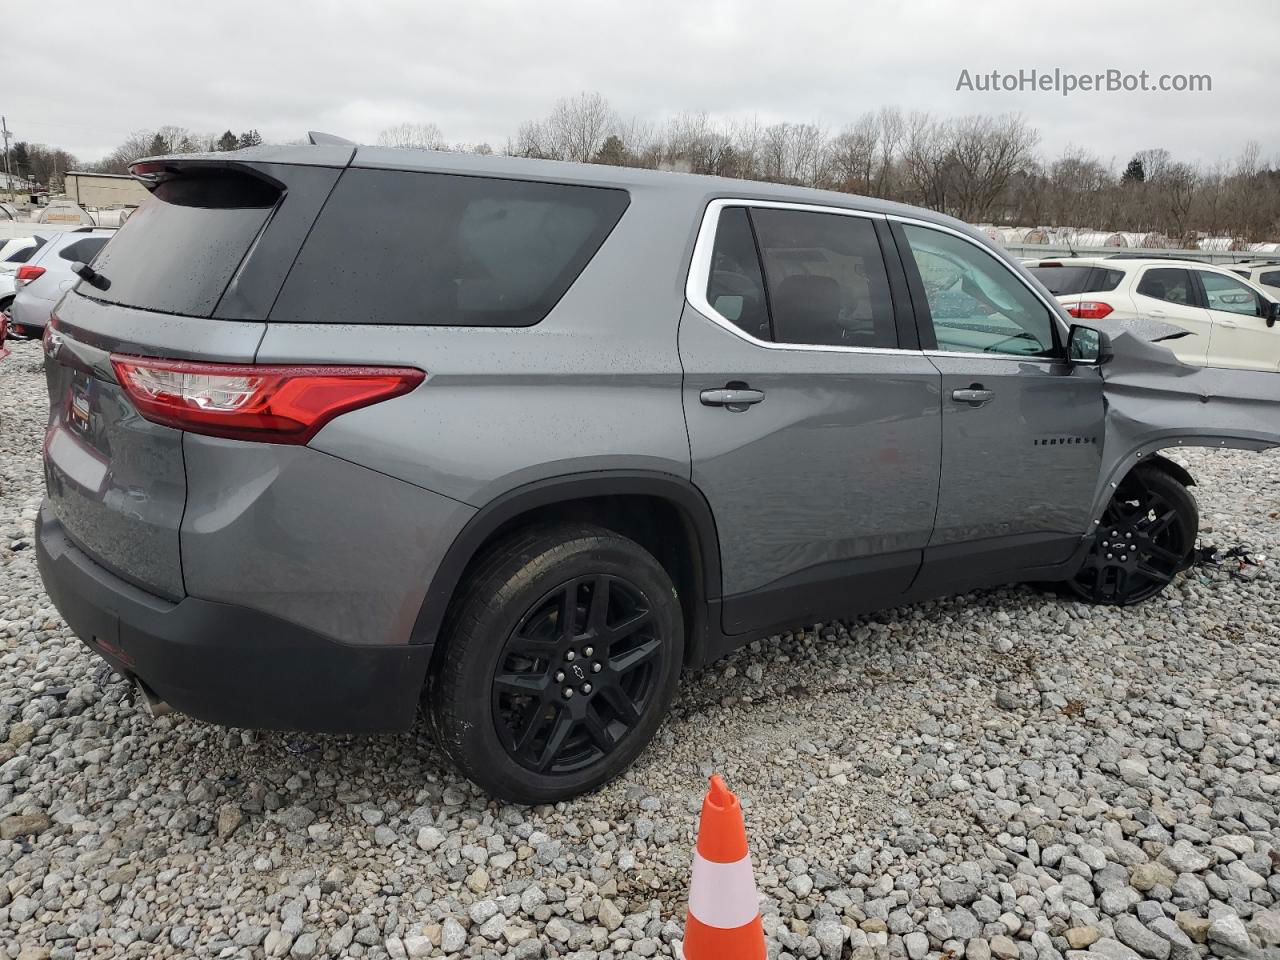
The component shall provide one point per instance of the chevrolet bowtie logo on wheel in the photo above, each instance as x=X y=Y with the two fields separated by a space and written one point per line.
x=579 y=672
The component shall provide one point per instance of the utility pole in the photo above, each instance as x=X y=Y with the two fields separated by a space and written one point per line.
x=8 y=177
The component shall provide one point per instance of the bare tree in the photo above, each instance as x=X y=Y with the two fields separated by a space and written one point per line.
x=577 y=127
x=985 y=153
x=413 y=136
x=853 y=154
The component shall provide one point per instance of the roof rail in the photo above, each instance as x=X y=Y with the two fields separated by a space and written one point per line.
x=317 y=139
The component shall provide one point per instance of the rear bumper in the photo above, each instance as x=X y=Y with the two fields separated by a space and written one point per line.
x=30 y=314
x=227 y=664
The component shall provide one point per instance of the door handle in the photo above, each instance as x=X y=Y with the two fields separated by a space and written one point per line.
x=1230 y=324
x=1156 y=313
x=736 y=399
x=975 y=396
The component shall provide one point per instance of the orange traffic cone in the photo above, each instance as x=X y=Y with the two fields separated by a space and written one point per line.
x=724 y=914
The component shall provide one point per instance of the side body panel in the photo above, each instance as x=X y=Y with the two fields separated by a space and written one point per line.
x=311 y=539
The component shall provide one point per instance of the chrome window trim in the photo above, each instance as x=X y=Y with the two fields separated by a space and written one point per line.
x=695 y=290
x=1063 y=328
x=700 y=271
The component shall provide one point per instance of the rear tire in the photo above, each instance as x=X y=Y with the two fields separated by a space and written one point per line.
x=1146 y=537
x=536 y=712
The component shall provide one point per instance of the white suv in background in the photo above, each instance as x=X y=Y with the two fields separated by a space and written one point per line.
x=1232 y=321
x=1265 y=273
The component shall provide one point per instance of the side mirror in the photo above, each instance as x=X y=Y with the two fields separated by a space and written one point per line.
x=1087 y=345
x=1273 y=313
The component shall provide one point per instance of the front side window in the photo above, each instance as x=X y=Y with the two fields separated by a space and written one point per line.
x=976 y=303
x=826 y=279
x=1230 y=295
x=735 y=286
x=1167 y=284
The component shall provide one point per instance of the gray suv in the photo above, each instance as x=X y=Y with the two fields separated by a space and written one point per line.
x=335 y=431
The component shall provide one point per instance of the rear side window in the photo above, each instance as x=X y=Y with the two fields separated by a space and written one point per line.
x=1167 y=284
x=23 y=254
x=83 y=250
x=826 y=278
x=1271 y=279
x=434 y=249
x=178 y=251
x=735 y=286
x=1105 y=280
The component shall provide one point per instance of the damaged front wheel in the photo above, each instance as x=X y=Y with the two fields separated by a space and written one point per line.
x=1145 y=539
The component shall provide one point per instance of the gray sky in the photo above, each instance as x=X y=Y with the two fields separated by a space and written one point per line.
x=479 y=67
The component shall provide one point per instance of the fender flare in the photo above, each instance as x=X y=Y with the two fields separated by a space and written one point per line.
x=676 y=490
x=1147 y=453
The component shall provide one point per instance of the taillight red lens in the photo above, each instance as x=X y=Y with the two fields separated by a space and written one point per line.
x=27 y=273
x=270 y=404
x=1088 y=309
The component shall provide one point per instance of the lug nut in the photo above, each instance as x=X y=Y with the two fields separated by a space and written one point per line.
x=570 y=655
x=1128 y=536
x=568 y=693
x=595 y=668
x=1105 y=543
x=559 y=676
x=586 y=688
x=1110 y=556
x=588 y=651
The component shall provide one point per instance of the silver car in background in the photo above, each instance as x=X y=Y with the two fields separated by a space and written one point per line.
x=47 y=274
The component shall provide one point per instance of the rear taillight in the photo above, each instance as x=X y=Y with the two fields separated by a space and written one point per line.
x=1088 y=309
x=27 y=273
x=270 y=404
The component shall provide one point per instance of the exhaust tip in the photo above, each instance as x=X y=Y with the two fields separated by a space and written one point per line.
x=154 y=706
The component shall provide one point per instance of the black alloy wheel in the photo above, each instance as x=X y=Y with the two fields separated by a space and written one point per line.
x=559 y=660
x=577 y=674
x=1146 y=537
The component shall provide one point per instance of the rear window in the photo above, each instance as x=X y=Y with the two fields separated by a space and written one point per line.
x=434 y=249
x=181 y=247
x=1066 y=279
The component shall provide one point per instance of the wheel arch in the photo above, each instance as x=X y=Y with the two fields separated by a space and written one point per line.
x=638 y=504
x=1148 y=453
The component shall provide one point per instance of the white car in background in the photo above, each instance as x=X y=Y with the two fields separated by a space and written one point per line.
x=13 y=254
x=1232 y=322
x=1265 y=273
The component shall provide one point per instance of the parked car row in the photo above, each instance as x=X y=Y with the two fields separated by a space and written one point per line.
x=1229 y=321
x=36 y=271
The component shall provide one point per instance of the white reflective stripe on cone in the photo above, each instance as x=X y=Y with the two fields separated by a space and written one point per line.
x=723 y=895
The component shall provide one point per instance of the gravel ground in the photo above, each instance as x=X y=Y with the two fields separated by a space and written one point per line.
x=1004 y=774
